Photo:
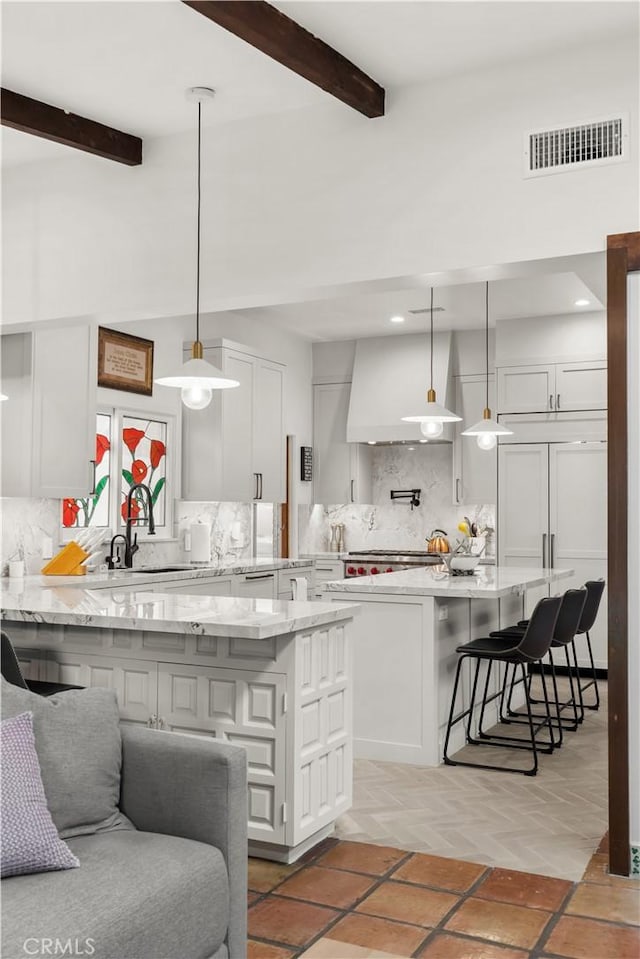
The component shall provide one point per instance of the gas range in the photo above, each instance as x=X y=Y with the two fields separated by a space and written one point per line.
x=370 y=562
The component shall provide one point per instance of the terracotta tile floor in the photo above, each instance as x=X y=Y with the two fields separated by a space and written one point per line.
x=349 y=900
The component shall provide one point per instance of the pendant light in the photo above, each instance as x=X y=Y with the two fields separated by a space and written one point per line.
x=487 y=430
x=196 y=378
x=434 y=417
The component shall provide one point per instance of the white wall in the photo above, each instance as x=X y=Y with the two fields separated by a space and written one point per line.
x=468 y=353
x=323 y=196
x=633 y=386
x=542 y=339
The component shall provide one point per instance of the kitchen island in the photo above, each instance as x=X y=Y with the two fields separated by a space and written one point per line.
x=274 y=677
x=405 y=641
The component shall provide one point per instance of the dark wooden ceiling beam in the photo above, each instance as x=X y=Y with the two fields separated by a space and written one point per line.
x=52 y=123
x=284 y=40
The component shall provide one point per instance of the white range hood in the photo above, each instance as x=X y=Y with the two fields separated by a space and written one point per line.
x=390 y=380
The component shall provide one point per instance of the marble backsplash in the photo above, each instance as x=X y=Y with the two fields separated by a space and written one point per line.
x=387 y=524
x=26 y=522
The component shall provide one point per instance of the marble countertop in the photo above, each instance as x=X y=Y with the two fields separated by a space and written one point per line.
x=167 y=612
x=488 y=582
x=143 y=576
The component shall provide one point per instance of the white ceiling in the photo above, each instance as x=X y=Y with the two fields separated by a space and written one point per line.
x=545 y=288
x=128 y=64
x=410 y=41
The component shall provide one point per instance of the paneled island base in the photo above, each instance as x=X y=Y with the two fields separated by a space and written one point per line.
x=285 y=696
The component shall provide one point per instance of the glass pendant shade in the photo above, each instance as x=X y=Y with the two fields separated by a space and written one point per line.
x=432 y=429
x=197 y=379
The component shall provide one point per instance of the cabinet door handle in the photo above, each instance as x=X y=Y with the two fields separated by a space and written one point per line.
x=457 y=489
x=550 y=401
x=544 y=550
x=552 y=551
x=92 y=482
x=351 y=491
x=248 y=579
x=260 y=493
x=255 y=487
x=557 y=401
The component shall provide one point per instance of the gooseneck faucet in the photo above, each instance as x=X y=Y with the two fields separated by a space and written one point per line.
x=132 y=547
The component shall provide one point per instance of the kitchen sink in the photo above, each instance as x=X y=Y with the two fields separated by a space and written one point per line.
x=165 y=569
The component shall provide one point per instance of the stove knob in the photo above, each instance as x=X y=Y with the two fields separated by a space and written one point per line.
x=362 y=571
x=374 y=570
x=351 y=571
x=389 y=569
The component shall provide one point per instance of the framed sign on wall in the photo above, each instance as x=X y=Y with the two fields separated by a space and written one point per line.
x=125 y=362
x=306 y=463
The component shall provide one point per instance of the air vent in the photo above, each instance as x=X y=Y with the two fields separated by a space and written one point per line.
x=566 y=148
x=426 y=309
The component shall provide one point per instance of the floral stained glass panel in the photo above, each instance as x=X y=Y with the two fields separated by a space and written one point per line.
x=93 y=510
x=144 y=460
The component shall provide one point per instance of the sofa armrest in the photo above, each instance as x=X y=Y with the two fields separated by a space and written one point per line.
x=195 y=788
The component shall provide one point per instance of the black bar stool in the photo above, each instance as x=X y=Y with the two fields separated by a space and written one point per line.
x=13 y=674
x=595 y=589
x=567 y=623
x=530 y=648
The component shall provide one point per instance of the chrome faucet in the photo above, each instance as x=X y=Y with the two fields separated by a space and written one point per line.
x=132 y=547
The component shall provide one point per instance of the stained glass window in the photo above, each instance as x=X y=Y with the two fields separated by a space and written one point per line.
x=144 y=460
x=93 y=510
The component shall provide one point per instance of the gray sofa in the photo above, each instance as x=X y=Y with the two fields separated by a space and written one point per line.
x=174 y=889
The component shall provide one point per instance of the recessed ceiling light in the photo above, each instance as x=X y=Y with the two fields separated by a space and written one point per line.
x=397 y=319
x=582 y=302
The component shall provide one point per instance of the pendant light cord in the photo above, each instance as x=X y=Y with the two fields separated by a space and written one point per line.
x=431 y=380
x=486 y=341
x=198 y=253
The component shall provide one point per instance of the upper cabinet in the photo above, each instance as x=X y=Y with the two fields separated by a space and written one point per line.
x=48 y=422
x=234 y=450
x=475 y=471
x=342 y=471
x=553 y=387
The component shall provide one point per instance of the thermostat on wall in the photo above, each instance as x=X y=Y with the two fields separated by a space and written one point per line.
x=306 y=463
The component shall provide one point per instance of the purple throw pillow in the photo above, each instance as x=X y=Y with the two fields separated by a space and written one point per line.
x=30 y=840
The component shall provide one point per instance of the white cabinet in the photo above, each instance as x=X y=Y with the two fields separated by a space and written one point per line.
x=581 y=386
x=48 y=423
x=234 y=450
x=135 y=681
x=342 y=471
x=242 y=707
x=286 y=578
x=552 y=511
x=475 y=471
x=553 y=388
x=256 y=585
x=326 y=571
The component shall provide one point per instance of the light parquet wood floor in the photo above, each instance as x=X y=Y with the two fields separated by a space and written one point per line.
x=549 y=824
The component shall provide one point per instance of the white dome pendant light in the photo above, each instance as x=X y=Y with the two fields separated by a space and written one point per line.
x=435 y=416
x=487 y=430
x=196 y=378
